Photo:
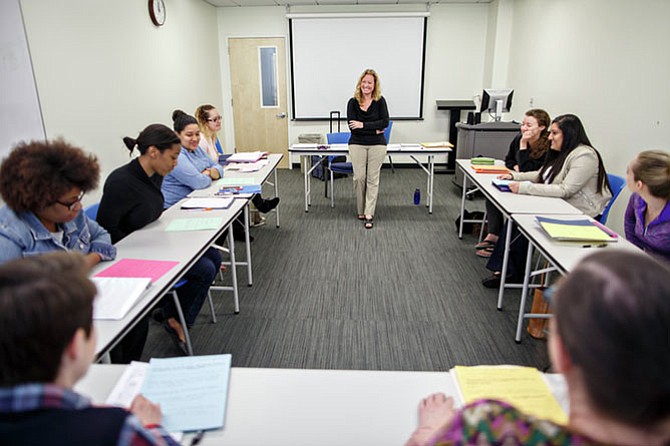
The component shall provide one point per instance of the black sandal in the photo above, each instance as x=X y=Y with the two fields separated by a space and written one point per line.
x=368 y=223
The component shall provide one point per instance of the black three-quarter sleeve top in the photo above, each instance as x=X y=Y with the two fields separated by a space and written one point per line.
x=522 y=158
x=376 y=117
x=130 y=200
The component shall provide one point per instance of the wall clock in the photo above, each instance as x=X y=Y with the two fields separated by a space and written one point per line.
x=157 y=12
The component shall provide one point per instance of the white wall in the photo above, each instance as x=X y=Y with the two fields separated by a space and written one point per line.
x=104 y=71
x=455 y=48
x=606 y=61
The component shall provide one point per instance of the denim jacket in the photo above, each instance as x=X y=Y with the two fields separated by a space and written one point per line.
x=23 y=234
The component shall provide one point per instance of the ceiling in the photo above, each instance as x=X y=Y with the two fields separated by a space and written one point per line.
x=232 y=3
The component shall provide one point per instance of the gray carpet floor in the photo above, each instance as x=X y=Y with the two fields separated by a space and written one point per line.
x=329 y=294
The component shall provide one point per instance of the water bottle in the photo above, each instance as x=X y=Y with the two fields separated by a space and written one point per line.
x=417 y=196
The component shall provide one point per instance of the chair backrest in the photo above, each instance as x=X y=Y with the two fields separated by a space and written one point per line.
x=387 y=132
x=92 y=211
x=338 y=137
x=617 y=184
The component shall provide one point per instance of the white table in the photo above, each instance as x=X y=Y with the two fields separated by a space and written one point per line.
x=259 y=177
x=308 y=407
x=508 y=204
x=306 y=151
x=152 y=242
x=563 y=255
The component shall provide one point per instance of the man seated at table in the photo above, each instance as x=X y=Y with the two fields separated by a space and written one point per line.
x=47 y=343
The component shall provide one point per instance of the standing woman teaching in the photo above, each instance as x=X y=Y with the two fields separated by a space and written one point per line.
x=368 y=116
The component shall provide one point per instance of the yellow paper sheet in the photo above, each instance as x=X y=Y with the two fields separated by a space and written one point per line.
x=522 y=387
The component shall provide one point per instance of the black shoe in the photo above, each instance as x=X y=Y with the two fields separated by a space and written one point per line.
x=266 y=206
x=158 y=315
x=238 y=236
x=493 y=281
x=175 y=338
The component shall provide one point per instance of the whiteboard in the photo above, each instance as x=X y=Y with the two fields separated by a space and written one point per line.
x=20 y=115
x=328 y=54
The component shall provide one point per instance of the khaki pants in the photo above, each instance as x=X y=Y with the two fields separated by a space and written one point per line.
x=367 y=162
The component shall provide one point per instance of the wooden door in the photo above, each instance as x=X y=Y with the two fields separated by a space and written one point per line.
x=258 y=81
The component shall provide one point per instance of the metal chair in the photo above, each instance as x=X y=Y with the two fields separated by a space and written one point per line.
x=617 y=184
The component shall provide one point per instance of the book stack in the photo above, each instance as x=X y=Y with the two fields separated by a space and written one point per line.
x=577 y=230
x=490 y=169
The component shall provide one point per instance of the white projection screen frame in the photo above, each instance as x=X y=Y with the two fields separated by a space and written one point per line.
x=329 y=52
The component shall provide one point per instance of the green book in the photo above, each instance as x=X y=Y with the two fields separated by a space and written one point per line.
x=483 y=161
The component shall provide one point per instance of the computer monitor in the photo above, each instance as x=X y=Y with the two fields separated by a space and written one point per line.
x=497 y=102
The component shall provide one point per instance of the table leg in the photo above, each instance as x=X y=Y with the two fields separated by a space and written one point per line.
x=276 y=195
x=465 y=188
x=503 y=273
x=308 y=168
x=233 y=267
x=247 y=243
x=431 y=182
x=524 y=292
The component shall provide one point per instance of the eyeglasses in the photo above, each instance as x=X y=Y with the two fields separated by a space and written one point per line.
x=215 y=119
x=71 y=206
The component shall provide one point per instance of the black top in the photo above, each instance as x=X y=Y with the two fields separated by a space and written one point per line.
x=376 y=117
x=130 y=200
x=522 y=157
x=100 y=426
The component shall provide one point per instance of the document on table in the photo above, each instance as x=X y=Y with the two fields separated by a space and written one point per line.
x=243 y=181
x=247 y=167
x=207 y=203
x=246 y=157
x=128 y=387
x=192 y=390
x=580 y=230
x=522 y=387
x=153 y=269
x=117 y=295
x=194 y=224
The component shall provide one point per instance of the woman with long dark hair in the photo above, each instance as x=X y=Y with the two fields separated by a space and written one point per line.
x=573 y=170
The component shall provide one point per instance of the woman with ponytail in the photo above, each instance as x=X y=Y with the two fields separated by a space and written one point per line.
x=132 y=199
x=647 y=220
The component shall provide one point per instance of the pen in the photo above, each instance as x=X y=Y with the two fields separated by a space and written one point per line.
x=197 y=438
x=600 y=245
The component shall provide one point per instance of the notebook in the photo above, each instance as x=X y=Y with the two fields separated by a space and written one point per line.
x=575 y=230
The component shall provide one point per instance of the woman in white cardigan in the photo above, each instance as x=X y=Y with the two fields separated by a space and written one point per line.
x=573 y=170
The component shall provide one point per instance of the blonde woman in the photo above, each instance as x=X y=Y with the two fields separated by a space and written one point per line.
x=647 y=221
x=368 y=116
x=209 y=122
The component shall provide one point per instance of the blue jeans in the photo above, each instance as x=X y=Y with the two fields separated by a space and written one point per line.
x=193 y=294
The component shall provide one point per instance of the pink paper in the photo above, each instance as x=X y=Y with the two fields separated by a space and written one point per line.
x=153 y=269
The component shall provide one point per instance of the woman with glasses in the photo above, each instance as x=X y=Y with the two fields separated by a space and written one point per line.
x=42 y=184
x=209 y=122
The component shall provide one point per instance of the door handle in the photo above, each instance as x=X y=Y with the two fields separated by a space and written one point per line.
x=281 y=115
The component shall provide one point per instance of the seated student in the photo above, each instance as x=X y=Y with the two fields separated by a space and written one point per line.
x=572 y=170
x=42 y=184
x=616 y=367
x=47 y=343
x=195 y=169
x=132 y=199
x=647 y=220
x=526 y=153
x=209 y=122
